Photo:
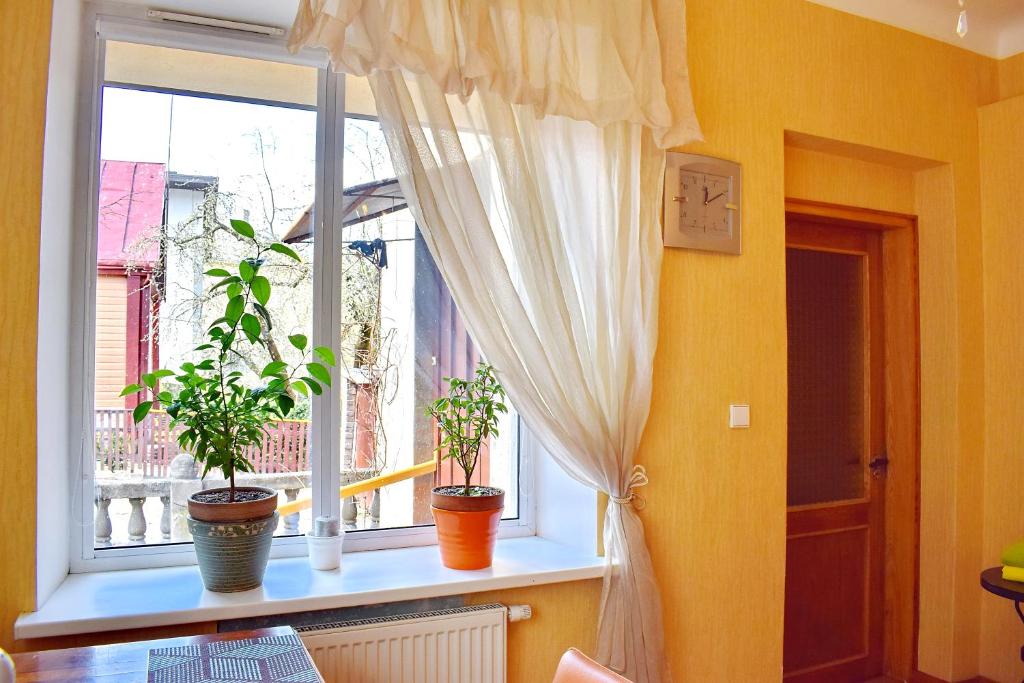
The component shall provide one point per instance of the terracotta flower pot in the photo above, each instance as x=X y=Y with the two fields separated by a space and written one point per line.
x=233 y=539
x=467 y=526
x=252 y=502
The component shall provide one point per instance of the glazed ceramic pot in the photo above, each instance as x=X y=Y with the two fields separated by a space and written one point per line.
x=232 y=539
x=467 y=526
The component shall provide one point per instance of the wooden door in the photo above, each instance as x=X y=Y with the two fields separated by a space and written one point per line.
x=835 y=541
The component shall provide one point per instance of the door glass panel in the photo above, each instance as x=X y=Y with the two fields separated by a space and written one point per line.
x=827 y=429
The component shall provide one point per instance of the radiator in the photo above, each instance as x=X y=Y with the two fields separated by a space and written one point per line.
x=462 y=645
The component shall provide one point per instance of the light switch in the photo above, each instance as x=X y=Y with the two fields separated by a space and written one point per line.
x=739 y=417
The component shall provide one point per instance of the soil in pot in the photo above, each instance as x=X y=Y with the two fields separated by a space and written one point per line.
x=479 y=498
x=224 y=495
x=467 y=526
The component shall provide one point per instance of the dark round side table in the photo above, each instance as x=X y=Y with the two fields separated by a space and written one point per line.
x=992 y=580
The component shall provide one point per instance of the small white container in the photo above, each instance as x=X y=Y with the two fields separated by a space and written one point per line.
x=325 y=551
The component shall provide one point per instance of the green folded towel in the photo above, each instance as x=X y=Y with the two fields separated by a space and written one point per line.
x=1013 y=555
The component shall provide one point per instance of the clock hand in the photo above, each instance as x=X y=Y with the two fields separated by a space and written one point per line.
x=705 y=195
x=708 y=201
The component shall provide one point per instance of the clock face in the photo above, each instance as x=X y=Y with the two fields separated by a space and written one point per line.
x=702 y=203
x=705 y=202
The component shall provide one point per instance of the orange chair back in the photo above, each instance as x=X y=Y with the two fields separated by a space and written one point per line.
x=576 y=667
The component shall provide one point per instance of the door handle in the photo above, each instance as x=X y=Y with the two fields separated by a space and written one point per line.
x=879 y=466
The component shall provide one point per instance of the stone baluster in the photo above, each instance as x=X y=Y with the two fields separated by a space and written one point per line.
x=165 y=517
x=137 y=521
x=291 y=522
x=349 y=511
x=375 y=509
x=184 y=475
x=101 y=525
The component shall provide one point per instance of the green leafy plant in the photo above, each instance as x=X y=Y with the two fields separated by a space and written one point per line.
x=221 y=416
x=467 y=416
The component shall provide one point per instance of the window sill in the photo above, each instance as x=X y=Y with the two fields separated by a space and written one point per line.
x=140 y=598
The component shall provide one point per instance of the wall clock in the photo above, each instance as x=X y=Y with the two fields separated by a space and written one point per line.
x=702 y=203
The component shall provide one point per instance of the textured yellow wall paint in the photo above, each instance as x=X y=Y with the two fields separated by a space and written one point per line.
x=564 y=616
x=1011 y=77
x=1002 y=173
x=939 y=411
x=840 y=179
x=716 y=503
x=23 y=64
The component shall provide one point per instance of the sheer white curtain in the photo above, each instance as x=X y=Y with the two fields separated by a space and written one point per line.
x=541 y=207
x=601 y=61
x=550 y=244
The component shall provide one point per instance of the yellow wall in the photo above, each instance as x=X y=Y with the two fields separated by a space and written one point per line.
x=842 y=179
x=716 y=503
x=716 y=506
x=564 y=616
x=23 y=64
x=1011 y=77
x=1002 y=169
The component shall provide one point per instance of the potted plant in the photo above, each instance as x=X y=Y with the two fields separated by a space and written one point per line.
x=467 y=516
x=222 y=416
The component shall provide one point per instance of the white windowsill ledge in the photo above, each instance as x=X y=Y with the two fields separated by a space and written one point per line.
x=140 y=598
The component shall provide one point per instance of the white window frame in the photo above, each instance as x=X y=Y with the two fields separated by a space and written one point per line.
x=130 y=25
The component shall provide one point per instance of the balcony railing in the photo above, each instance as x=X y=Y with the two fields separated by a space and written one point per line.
x=173 y=493
x=134 y=464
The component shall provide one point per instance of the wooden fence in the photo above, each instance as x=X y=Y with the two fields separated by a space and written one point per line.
x=148 y=448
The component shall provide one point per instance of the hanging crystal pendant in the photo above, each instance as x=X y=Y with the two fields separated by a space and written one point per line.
x=961 y=21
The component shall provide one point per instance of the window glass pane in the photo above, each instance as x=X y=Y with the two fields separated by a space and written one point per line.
x=174 y=169
x=400 y=336
x=189 y=141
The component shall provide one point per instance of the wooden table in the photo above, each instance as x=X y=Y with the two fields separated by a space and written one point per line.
x=122 y=663
x=992 y=580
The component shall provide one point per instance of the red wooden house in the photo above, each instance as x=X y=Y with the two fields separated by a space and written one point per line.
x=131 y=211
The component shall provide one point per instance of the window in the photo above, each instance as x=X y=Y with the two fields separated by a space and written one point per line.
x=186 y=140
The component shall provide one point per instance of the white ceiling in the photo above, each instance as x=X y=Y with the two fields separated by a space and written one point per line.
x=995 y=27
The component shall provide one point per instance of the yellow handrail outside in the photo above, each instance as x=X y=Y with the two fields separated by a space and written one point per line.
x=291 y=507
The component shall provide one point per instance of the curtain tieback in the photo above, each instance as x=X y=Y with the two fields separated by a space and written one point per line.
x=637 y=478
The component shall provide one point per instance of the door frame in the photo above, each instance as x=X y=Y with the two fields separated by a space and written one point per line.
x=901 y=310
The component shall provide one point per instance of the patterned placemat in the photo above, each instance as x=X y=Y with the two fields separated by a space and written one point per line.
x=271 y=659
